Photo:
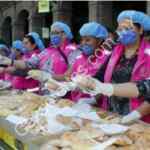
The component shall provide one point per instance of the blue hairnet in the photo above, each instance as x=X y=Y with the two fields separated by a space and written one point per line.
x=5 y=49
x=94 y=29
x=64 y=27
x=136 y=17
x=17 y=45
x=38 y=40
x=146 y=23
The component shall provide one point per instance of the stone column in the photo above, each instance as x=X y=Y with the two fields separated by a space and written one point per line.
x=101 y=12
x=62 y=11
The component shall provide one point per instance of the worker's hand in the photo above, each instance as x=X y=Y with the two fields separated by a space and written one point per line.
x=131 y=117
x=94 y=86
x=5 y=60
x=52 y=86
x=39 y=75
x=10 y=69
x=84 y=82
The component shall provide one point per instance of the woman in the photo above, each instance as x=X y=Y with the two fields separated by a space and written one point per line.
x=54 y=58
x=16 y=53
x=92 y=56
x=130 y=60
x=32 y=45
x=135 y=89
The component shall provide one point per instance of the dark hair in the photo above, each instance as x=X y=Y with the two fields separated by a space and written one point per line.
x=30 y=38
x=137 y=25
x=147 y=35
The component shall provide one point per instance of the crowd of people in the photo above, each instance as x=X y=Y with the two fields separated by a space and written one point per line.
x=116 y=66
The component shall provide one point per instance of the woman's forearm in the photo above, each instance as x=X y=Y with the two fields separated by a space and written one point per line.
x=125 y=90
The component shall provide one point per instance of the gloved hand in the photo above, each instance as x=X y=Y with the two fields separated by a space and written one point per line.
x=51 y=86
x=131 y=117
x=93 y=86
x=5 y=60
x=39 y=75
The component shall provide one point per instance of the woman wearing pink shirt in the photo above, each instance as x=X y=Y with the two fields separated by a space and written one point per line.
x=53 y=59
x=129 y=62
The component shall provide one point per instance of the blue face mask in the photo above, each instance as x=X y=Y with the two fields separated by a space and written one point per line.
x=127 y=37
x=55 y=39
x=87 y=49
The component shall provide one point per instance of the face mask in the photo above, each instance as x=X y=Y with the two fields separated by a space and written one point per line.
x=87 y=49
x=127 y=37
x=55 y=39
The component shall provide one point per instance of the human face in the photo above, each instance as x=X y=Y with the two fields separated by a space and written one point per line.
x=28 y=45
x=59 y=34
x=128 y=32
x=92 y=41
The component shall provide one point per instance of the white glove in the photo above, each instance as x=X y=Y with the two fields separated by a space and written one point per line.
x=93 y=86
x=103 y=88
x=39 y=75
x=131 y=117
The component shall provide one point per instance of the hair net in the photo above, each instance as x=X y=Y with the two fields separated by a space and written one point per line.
x=136 y=17
x=64 y=27
x=93 y=29
x=38 y=40
x=17 y=45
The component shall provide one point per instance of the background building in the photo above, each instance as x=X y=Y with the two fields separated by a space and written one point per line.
x=19 y=18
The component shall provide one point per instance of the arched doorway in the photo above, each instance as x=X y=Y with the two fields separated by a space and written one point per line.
x=22 y=24
x=7 y=30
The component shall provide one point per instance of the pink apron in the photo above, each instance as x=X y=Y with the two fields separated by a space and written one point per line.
x=52 y=61
x=21 y=82
x=87 y=66
x=140 y=71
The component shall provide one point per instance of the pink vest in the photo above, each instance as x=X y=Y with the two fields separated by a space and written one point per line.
x=2 y=76
x=22 y=82
x=67 y=48
x=83 y=65
x=140 y=71
x=53 y=61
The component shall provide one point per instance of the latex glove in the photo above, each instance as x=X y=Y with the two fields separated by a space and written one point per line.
x=39 y=75
x=93 y=86
x=51 y=86
x=84 y=82
x=5 y=60
x=131 y=117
